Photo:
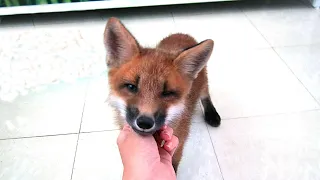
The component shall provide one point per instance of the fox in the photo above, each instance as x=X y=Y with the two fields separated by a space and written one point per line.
x=153 y=87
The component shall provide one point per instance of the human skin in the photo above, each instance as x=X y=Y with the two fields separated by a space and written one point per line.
x=143 y=158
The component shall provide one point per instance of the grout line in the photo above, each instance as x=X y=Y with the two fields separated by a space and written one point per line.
x=296 y=45
x=271 y=46
x=64 y=134
x=174 y=21
x=215 y=153
x=32 y=18
x=296 y=76
x=97 y=131
x=176 y=29
x=101 y=16
x=40 y=136
x=194 y=122
x=75 y=153
x=254 y=26
x=275 y=114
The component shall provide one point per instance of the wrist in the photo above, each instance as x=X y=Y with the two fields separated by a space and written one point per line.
x=131 y=174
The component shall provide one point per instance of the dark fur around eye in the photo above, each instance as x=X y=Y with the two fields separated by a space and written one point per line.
x=169 y=94
x=132 y=88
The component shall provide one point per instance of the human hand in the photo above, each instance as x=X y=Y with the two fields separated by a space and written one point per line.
x=142 y=156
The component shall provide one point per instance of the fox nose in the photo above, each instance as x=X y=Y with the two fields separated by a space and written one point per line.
x=145 y=122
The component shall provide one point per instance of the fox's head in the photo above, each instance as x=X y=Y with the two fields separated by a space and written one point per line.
x=150 y=87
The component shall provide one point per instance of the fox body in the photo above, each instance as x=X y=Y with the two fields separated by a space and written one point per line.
x=151 y=87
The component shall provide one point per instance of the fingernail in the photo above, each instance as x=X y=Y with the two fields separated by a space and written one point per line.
x=169 y=145
x=162 y=143
x=166 y=136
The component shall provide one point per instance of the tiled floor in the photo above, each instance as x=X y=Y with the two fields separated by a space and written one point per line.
x=264 y=79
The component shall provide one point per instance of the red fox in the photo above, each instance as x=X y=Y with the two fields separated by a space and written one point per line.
x=151 y=87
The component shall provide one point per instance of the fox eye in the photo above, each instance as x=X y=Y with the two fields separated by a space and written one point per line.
x=132 y=88
x=168 y=94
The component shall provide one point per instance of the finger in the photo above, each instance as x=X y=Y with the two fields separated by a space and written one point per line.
x=166 y=153
x=123 y=134
x=171 y=146
x=166 y=134
x=164 y=127
x=126 y=127
x=165 y=156
x=159 y=140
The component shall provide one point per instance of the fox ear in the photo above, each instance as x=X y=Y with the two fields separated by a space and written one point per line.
x=120 y=44
x=193 y=60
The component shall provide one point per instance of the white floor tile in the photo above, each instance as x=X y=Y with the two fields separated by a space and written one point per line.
x=198 y=115
x=34 y=59
x=89 y=24
x=271 y=148
x=41 y=56
x=55 y=110
x=98 y=114
x=93 y=35
x=49 y=158
x=228 y=27
x=304 y=61
x=199 y=160
x=255 y=82
x=286 y=24
x=98 y=157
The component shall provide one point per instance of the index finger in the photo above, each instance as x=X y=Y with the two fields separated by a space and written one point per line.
x=171 y=146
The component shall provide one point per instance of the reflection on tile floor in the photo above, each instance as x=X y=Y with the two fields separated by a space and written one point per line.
x=55 y=109
x=48 y=157
x=270 y=147
x=264 y=80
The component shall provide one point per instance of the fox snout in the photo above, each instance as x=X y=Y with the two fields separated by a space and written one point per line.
x=144 y=124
